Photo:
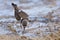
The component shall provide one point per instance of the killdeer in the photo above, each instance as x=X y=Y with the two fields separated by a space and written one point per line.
x=16 y=11
x=20 y=16
x=24 y=23
x=19 y=13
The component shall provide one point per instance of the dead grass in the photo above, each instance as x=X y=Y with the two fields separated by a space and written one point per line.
x=52 y=36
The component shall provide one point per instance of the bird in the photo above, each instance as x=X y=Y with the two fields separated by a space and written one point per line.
x=24 y=24
x=16 y=12
x=20 y=15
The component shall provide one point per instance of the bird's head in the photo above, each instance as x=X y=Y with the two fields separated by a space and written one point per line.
x=14 y=6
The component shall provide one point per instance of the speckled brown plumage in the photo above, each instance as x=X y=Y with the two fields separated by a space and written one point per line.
x=24 y=23
x=19 y=15
x=16 y=12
